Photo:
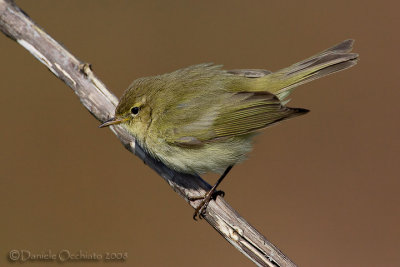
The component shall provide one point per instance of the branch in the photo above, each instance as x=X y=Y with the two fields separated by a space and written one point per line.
x=101 y=104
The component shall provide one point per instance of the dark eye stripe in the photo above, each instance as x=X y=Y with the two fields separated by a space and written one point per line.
x=135 y=110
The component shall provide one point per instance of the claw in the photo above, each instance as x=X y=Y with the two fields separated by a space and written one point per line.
x=200 y=210
x=212 y=194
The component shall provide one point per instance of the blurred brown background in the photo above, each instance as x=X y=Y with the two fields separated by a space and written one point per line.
x=324 y=188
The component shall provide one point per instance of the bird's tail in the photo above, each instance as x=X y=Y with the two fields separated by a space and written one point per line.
x=334 y=59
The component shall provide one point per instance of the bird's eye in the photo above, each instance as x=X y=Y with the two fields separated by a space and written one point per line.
x=135 y=110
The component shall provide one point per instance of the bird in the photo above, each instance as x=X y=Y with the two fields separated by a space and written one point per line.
x=202 y=118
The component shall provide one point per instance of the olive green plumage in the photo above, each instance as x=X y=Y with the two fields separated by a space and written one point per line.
x=203 y=118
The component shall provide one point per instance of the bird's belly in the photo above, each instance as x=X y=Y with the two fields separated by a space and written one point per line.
x=210 y=157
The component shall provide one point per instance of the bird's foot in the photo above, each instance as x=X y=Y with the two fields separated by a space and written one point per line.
x=201 y=208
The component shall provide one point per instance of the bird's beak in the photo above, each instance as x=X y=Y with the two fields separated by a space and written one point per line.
x=112 y=121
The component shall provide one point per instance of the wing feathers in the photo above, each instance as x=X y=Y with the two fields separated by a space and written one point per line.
x=242 y=113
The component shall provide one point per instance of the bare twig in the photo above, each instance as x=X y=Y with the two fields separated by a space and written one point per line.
x=101 y=103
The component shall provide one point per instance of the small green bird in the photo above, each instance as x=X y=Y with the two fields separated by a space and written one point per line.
x=202 y=118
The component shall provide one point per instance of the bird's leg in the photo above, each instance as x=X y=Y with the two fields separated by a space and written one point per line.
x=209 y=195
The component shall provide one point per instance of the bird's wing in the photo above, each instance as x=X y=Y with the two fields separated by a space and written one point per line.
x=236 y=114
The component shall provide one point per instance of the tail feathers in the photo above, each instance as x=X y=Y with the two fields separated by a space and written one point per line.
x=315 y=68
x=343 y=47
x=334 y=59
